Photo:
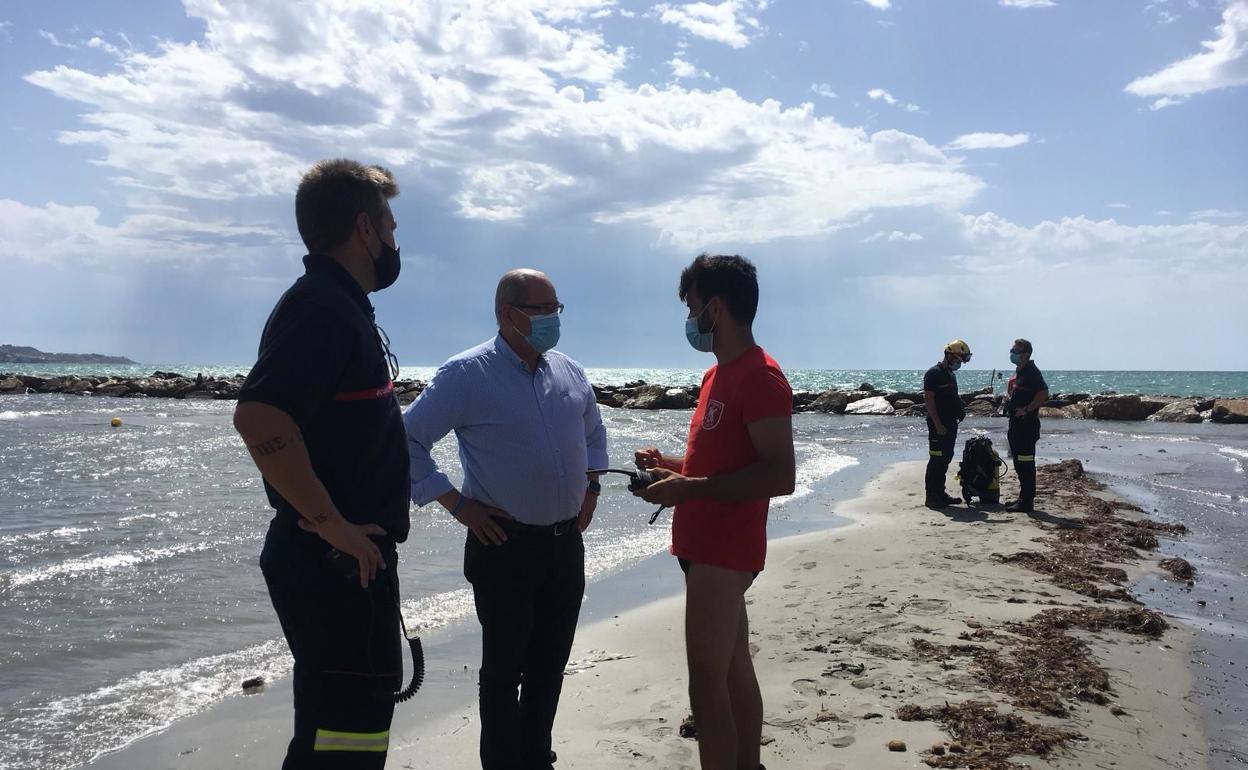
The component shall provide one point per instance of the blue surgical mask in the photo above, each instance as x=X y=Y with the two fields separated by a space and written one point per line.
x=703 y=342
x=955 y=365
x=545 y=334
x=1016 y=358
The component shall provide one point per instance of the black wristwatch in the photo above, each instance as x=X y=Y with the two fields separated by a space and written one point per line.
x=595 y=488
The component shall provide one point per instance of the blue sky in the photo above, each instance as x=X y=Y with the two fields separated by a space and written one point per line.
x=901 y=171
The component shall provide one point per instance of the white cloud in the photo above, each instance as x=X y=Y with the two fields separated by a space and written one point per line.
x=683 y=70
x=54 y=40
x=823 y=89
x=494 y=107
x=5 y=34
x=727 y=22
x=1223 y=64
x=895 y=236
x=55 y=233
x=988 y=141
x=882 y=5
x=879 y=94
x=1119 y=205
x=1027 y=3
x=1205 y=214
x=1163 y=213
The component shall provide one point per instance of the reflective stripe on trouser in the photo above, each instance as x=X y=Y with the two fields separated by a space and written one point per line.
x=335 y=740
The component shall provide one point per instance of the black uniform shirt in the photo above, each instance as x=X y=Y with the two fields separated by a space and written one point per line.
x=321 y=362
x=1024 y=386
x=943 y=384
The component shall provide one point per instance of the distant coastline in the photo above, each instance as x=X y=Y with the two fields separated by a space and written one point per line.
x=21 y=354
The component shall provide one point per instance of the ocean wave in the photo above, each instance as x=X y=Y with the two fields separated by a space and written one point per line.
x=1219 y=495
x=72 y=730
x=59 y=533
x=1235 y=455
x=821 y=462
x=12 y=415
x=101 y=563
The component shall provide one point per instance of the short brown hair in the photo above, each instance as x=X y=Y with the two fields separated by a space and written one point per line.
x=330 y=196
x=1024 y=344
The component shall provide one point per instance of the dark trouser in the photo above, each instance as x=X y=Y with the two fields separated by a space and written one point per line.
x=528 y=594
x=1023 y=434
x=939 y=455
x=346 y=643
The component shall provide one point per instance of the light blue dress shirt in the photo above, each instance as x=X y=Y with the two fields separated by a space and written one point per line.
x=526 y=438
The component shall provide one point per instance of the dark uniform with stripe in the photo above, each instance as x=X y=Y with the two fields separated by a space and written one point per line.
x=943 y=384
x=323 y=363
x=1024 y=431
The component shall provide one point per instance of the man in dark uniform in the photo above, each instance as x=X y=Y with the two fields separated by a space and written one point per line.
x=944 y=411
x=1028 y=392
x=319 y=416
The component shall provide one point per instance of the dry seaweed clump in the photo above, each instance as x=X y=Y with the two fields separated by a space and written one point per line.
x=985 y=738
x=1067 y=473
x=1181 y=569
x=1075 y=569
x=1129 y=620
x=1040 y=665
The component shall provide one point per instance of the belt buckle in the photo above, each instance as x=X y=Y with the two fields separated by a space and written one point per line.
x=562 y=527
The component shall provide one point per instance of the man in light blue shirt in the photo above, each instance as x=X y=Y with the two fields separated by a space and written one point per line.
x=529 y=430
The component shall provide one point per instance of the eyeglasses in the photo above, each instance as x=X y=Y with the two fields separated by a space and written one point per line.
x=392 y=360
x=555 y=307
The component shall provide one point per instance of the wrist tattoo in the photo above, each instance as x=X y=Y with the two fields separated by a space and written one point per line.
x=274 y=445
x=320 y=518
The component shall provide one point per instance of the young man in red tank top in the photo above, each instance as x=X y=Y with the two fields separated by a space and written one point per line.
x=739 y=455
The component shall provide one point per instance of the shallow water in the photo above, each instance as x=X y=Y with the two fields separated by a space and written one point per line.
x=130 y=596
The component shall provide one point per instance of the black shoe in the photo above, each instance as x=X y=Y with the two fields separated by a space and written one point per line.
x=949 y=500
x=1019 y=506
x=937 y=504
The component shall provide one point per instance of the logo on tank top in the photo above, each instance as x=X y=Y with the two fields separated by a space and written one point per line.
x=710 y=418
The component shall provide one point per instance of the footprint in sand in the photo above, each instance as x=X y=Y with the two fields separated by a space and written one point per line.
x=842 y=741
x=927 y=606
x=810 y=565
x=808 y=687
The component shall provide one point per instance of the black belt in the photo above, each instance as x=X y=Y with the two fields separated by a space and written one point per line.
x=553 y=530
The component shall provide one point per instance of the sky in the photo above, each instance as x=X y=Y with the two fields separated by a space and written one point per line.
x=902 y=172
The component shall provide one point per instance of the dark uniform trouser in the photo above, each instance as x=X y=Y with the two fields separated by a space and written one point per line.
x=1023 y=434
x=939 y=454
x=346 y=643
x=528 y=596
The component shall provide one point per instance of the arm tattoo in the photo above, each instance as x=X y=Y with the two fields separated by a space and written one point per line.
x=274 y=445
x=320 y=518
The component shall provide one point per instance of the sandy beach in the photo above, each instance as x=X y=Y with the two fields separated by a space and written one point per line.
x=883 y=631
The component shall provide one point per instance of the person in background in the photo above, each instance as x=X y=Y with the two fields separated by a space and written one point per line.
x=944 y=411
x=320 y=419
x=739 y=455
x=1027 y=393
x=529 y=431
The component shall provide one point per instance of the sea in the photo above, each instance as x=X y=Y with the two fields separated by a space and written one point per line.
x=131 y=600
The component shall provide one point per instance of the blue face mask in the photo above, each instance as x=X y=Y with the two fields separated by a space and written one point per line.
x=545 y=334
x=1016 y=358
x=703 y=342
x=955 y=365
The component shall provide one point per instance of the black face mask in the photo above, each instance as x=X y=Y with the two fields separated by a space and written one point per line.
x=386 y=267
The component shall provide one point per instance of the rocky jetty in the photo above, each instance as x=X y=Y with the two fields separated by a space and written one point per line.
x=862 y=400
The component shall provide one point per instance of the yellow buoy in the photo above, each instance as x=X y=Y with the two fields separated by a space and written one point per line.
x=115 y=422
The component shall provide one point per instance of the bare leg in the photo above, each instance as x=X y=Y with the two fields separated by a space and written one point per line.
x=747 y=701
x=714 y=607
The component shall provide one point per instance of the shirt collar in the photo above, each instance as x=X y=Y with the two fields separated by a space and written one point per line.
x=503 y=349
x=321 y=264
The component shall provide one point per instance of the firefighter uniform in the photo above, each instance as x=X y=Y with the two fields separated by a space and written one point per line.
x=324 y=363
x=943 y=384
x=1024 y=431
